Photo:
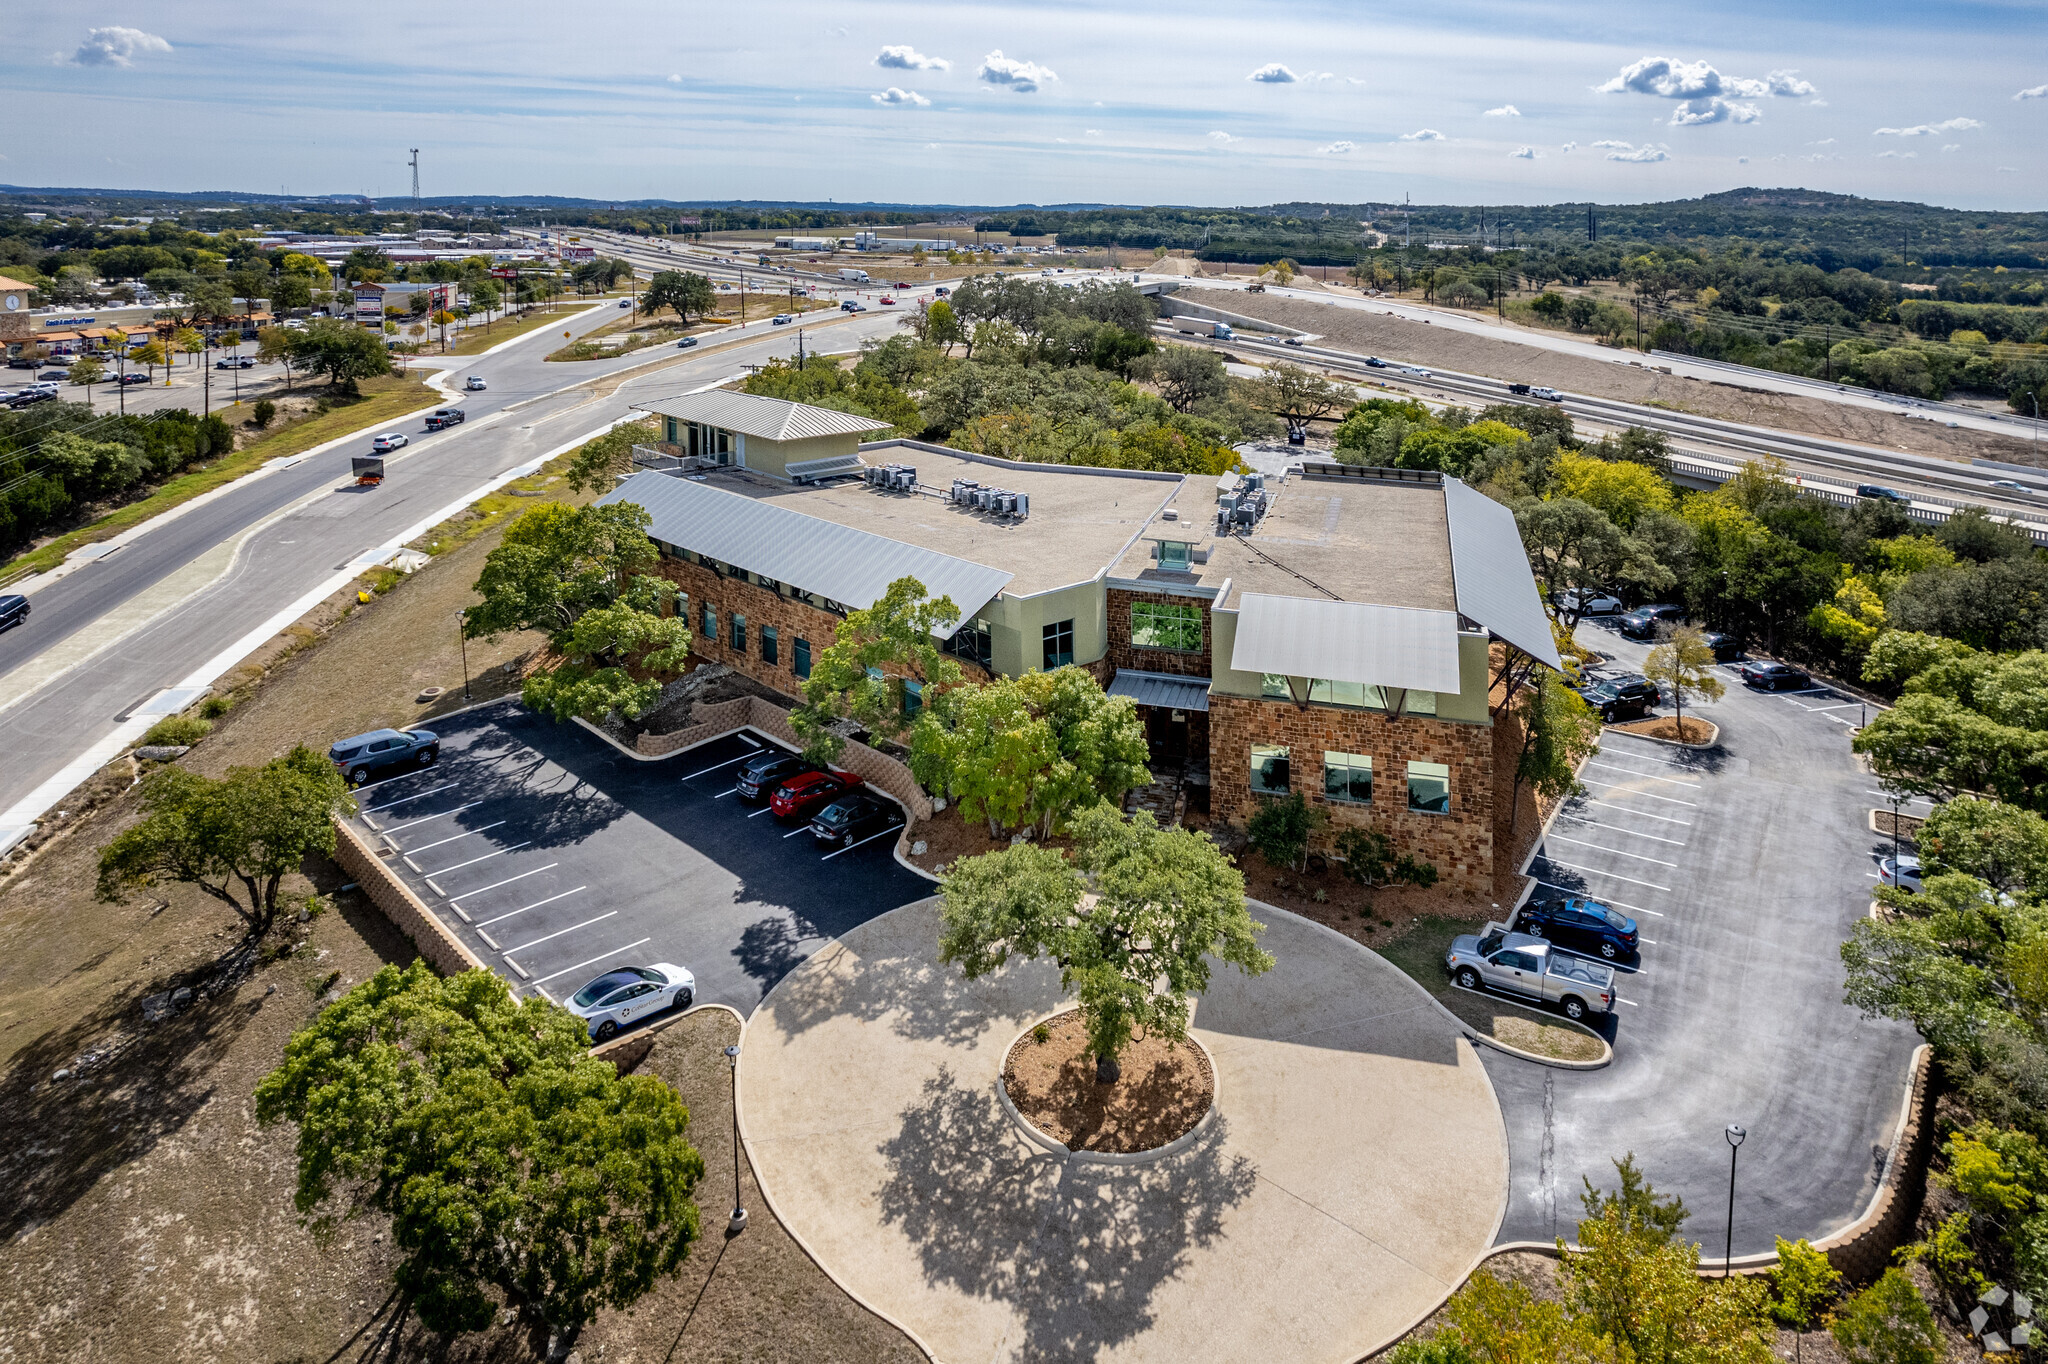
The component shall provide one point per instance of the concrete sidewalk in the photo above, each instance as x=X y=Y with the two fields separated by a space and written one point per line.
x=1357 y=1170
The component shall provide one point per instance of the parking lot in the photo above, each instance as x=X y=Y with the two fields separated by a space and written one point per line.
x=1745 y=866
x=556 y=857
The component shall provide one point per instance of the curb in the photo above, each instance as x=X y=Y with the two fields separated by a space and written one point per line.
x=1709 y=742
x=604 y=1050
x=1884 y=833
x=1488 y=1040
x=1066 y=1154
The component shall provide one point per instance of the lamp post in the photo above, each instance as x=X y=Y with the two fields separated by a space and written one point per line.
x=462 y=638
x=737 y=1223
x=1897 y=801
x=1735 y=1134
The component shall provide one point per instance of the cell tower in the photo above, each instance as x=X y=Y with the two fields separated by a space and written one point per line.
x=415 y=185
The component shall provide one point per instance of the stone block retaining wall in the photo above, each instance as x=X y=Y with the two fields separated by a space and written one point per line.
x=442 y=949
x=876 y=768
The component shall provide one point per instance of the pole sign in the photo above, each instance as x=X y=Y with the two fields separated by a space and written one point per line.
x=503 y=272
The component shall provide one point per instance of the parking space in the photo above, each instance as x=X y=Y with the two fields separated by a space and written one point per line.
x=555 y=857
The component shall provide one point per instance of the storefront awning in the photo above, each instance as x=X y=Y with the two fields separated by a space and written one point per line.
x=1163 y=690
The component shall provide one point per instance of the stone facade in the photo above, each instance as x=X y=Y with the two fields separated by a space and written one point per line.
x=1124 y=654
x=442 y=949
x=1459 y=844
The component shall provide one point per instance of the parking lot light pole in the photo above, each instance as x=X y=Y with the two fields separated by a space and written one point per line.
x=737 y=1223
x=1897 y=800
x=462 y=638
x=1735 y=1134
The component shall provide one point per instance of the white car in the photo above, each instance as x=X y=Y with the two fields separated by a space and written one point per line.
x=475 y=383
x=1903 y=872
x=1590 y=602
x=783 y=320
x=390 y=440
x=629 y=994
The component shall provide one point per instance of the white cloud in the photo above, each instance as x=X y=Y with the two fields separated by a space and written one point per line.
x=1694 y=113
x=1824 y=142
x=1317 y=77
x=2036 y=92
x=1423 y=135
x=1023 y=77
x=1741 y=160
x=1220 y=136
x=1903 y=156
x=1818 y=102
x=1626 y=151
x=1571 y=146
x=903 y=57
x=901 y=98
x=1337 y=148
x=1953 y=125
x=1951 y=146
x=116 y=46
x=675 y=78
x=1524 y=154
x=1706 y=94
x=1273 y=73
x=2008 y=170
x=1787 y=83
x=1505 y=111
x=1092 y=132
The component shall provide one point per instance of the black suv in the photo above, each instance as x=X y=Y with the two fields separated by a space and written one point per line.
x=1579 y=923
x=13 y=610
x=369 y=756
x=1642 y=622
x=848 y=820
x=1620 y=698
x=1727 y=648
x=762 y=773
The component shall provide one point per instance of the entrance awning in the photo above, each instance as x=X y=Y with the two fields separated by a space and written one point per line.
x=1164 y=690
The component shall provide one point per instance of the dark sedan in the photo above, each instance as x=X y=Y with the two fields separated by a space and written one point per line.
x=1774 y=677
x=846 y=822
x=383 y=752
x=1727 y=648
x=1642 y=622
x=762 y=773
x=1621 y=698
x=1587 y=925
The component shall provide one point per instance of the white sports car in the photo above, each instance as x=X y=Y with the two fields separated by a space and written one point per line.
x=627 y=994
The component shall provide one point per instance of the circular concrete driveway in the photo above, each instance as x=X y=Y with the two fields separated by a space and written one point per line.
x=1357 y=1170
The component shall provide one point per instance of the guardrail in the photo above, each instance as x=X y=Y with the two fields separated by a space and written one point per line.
x=1812 y=486
x=2020 y=420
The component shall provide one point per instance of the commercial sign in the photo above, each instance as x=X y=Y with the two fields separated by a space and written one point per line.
x=504 y=272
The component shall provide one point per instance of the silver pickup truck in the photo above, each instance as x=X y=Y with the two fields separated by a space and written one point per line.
x=1518 y=964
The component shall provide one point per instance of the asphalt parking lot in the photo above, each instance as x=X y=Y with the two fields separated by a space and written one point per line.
x=1745 y=866
x=555 y=857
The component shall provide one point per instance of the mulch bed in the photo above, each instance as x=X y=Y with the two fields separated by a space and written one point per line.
x=1163 y=1093
x=1908 y=825
x=1697 y=731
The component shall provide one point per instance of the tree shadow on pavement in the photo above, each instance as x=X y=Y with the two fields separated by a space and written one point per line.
x=904 y=985
x=772 y=947
x=1076 y=1251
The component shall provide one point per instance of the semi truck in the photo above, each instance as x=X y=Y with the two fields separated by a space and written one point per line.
x=851 y=276
x=1200 y=326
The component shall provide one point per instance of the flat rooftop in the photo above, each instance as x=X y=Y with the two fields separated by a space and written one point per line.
x=1081 y=521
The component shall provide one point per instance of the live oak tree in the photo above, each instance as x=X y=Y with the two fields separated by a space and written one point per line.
x=235 y=837
x=595 y=465
x=1559 y=730
x=1685 y=664
x=682 y=291
x=515 y=1168
x=1299 y=395
x=340 y=350
x=1132 y=922
x=1888 y=1323
x=850 y=679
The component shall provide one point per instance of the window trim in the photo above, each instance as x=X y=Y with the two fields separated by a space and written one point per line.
x=771 y=652
x=1050 y=636
x=800 y=657
x=1182 y=616
x=738 y=626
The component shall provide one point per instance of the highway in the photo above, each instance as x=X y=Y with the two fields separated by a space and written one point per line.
x=141 y=625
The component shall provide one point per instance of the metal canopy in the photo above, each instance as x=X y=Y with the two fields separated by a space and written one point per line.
x=1163 y=690
x=1491 y=576
x=1341 y=641
x=851 y=567
x=750 y=414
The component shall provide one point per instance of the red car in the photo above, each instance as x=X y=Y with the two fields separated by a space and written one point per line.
x=801 y=795
x=888 y=301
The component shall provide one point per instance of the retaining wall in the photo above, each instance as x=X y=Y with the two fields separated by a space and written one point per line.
x=442 y=949
x=877 y=769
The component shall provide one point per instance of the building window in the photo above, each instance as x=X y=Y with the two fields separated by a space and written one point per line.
x=1419 y=703
x=710 y=630
x=1173 y=556
x=1159 y=625
x=768 y=651
x=682 y=611
x=1059 y=645
x=1273 y=687
x=1348 y=777
x=1429 y=788
x=739 y=633
x=1360 y=694
x=971 y=642
x=800 y=658
x=1270 y=769
x=913 y=698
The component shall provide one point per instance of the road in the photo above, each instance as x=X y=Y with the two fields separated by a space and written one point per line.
x=118 y=639
x=1745 y=866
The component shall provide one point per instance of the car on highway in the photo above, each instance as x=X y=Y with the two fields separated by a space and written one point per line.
x=888 y=301
x=1881 y=493
x=849 y=820
x=686 y=343
x=442 y=417
x=390 y=440
x=762 y=773
x=13 y=610
x=475 y=383
x=801 y=795
x=235 y=362
x=1642 y=622
x=1620 y=698
x=2010 y=485
x=1902 y=871
x=1548 y=395
x=1523 y=964
x=781 y=320
x=1585 y=925
x=1590 y=601
x=941 y=291
x=1291 y=341
x=1374 y=362
x=630 y=994
x=367 y=756
x=1774 y=677
x=625 y=303
x=849 y=306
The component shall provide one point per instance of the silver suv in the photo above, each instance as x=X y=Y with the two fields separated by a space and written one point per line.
x=1521 y=964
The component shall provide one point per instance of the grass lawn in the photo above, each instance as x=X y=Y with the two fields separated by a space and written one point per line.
x=382 y=400
x=1420 y=953
x=503 y=329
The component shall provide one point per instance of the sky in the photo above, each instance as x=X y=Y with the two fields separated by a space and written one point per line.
x=1206 y=102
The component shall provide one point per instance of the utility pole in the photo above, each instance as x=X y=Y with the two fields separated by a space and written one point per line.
x=1639 y=321
x=1592 y=233
x=416 y=224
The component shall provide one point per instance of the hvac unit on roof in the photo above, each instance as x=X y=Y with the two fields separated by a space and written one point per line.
x=904 y=477
x=963 y=491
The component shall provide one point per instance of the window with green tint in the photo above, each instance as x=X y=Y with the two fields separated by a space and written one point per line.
x=1270 y=769
x=1059 y=644
x=710 y=630
x=1361 y=694
x=1429 y=788
x=1348 y=777
x=1166 y=625
x=768 y=646
x=1273 y=687
x=800 y=658
x=1173 y=556
x=913 y=698
x=1420 y=703
x=739 y=632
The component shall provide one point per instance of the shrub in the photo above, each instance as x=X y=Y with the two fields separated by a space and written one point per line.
x=1887 y=1323
x=177 y=729
x=260 y=415
x=1370 y=860
x=1041 y=1034
x=217 y=706
x=1280 y=831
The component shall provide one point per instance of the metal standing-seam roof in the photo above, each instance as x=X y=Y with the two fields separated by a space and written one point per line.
x=1161 y=689
x=763 y=418
x=1490 y=573
x=852 y=567
x=1346 y=641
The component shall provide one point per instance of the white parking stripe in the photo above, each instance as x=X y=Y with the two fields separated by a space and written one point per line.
x=1630 y=1002
x=535 y=905
x=764 y=810
x=1616 y=851
x=561 y=932
x=723 y=794
x=715 y=766
x=799 y=829
x=1618 y=904
x=428 y=819
x=1646 y=776
x=1655 y=838
x=851 y=846
x=373 y=785
x=592 y=961
x=1602 y=871
x=466 y=834
x=403 y=799
x=1641 y=814
x=1610 y=788
x=471 y=894
x=485 y=858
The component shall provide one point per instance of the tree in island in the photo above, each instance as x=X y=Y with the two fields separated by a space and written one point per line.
x=342 y=351
x=517 y=1170
x=1684 y=666
x=1132 y=921
x=682 y=291
x=852 y=679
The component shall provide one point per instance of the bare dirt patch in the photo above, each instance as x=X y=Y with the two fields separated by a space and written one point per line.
x=1693 y=731
x=1906 y=828
x=1163 y=1092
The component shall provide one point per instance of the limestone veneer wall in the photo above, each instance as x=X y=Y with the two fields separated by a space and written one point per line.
x=442 y=949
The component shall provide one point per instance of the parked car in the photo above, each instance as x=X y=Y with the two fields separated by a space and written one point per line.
x=1881 y=493
x=766 y=770
x=475 y=383
x=801 y=795
x=626 y=994
x=131 y=379
x=367 y=756
x=22 y=362
x=847 y=821
x=1586 y=925
x=30 y=396
x=390 y=440
x=1642 y=622
x=1525 y=965
x=13 y=610
x=1903 y=872
x=1589 y=601
x=445 y=416
x=53 y=376
x=235 y=362
x=1727 y=648
x=1621 y=698
x=1774 y=676
x=686 y=343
